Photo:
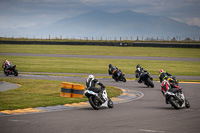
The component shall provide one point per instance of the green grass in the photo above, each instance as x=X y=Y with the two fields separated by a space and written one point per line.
x=39 y=93
x=85 y=65
x=36 y=93
x=102 y=50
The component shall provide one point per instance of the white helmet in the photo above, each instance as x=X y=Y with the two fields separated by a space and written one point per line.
x=91 y=77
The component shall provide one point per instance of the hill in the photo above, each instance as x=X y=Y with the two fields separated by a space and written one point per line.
x=111 y=25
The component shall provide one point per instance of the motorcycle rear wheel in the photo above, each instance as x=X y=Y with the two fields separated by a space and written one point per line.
x=6 y=73
x=150 y=82
x=94 y=102
x=116 y=79
x=16 y=73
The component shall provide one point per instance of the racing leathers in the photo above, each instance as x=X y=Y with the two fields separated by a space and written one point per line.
x=139 y=73
x=114 y=71
x=163 y=76
x=7 y=65
x=91 y=83
x=166 y=86
x=171 y=87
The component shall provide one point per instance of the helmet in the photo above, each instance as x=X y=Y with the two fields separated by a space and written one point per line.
x=91 y=77
x=110 y=65
x=169 y=79
x=138 y=66
x=160 y=71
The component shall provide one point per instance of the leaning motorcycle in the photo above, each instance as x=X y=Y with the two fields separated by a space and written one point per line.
x=96 y=101
x=11 y=71
x=147 y=79
x=177 y=100
x=120 y=77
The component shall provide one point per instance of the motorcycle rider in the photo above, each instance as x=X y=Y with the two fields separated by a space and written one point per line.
x=163 y=75
x=90 y=85
x=139 y=73
x=169 y=85
x=114 y=71
x=6 y=64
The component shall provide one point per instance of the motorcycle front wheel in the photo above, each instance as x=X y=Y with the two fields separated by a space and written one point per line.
x=110 y=103
x=124 y=79
x=174 y=102
x=94 y=102
x=15 y=72
x=187 y=104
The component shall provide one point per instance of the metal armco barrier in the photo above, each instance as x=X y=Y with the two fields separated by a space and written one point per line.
x=121 y=44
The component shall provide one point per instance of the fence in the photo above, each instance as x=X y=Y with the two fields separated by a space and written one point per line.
x=131 y=38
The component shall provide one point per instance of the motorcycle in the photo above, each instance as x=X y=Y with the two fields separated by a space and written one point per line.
x=177 y=100
x=147 y=79
x=11 y=71
x=120 y=77
x=97 y=100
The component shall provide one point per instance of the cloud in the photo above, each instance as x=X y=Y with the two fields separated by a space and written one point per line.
x=21 y=13
x=193 y=21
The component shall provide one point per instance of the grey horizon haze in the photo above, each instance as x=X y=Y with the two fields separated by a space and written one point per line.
x=19 y=14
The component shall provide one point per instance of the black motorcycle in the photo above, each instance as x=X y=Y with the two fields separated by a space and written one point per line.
x=120 y=77
x=146 y=78
x=11 y=71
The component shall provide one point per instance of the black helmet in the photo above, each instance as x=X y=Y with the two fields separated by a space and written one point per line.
x=110 y=65
x=138 y=66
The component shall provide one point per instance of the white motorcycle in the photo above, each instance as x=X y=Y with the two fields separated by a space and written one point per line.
x=96 y=101
x=177 y=100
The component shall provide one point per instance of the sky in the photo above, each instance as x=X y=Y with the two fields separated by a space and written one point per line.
x=26 y=13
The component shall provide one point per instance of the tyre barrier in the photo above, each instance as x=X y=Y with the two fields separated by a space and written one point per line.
x=78 y=90
x=66 y=89
x=71 y=90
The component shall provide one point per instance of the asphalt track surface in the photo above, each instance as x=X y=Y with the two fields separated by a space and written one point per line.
x=6 y=86
x=144 y=115
x=147 y=114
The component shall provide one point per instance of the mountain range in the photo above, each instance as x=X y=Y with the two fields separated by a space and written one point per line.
x=98 y=24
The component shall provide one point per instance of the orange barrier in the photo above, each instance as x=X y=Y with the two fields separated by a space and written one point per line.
x=78 y=90
x=66 y=89
x=71 y=90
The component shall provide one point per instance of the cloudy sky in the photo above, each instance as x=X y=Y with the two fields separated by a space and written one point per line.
x=25 y=13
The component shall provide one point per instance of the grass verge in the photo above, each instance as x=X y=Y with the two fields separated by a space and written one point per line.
x=101 y=50
x=39 y=93
x=86 y=65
